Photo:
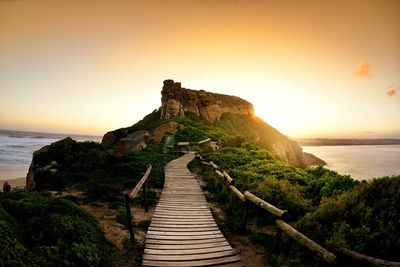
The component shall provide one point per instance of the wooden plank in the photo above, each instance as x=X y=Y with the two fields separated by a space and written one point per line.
x=187 y=246
x=186 y=251
x=191 y=233
x=192 y=221
x=184 y=242
x=186 y=229
x=209 y=262
x=183 y=213
x=179 y=207
x=183 y=237
x=181 y=216
x=186 y=212
x=190 y=257
x=177 y=226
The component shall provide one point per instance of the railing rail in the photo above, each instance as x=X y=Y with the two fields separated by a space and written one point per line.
x=129 y=196
x=282 y=215
x=367 y=259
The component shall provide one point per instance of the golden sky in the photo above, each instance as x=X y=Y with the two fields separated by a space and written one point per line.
x=311 y=68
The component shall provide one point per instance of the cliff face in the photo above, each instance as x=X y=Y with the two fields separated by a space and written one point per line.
x=178 y=101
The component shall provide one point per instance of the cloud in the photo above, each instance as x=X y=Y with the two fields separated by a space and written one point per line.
x=364 y=70
x=392 y=90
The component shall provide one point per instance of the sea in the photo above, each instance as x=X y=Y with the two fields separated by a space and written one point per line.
x=16 y=149
x=361 y=162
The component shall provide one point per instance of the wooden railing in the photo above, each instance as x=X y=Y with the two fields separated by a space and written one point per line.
x=187 y=145
x=283 y=227
x=129 y=196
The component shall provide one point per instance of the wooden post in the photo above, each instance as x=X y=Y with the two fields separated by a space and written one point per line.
x=129 y=218
x=278 y=237
x=245 y=215
x=224 y=188
x=148 y=182
x=145 y=196
x=230 y=201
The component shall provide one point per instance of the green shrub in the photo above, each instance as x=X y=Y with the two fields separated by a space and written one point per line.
x=42 y=231
x=364 y=219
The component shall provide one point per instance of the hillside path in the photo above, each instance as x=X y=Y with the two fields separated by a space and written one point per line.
x=182 y=230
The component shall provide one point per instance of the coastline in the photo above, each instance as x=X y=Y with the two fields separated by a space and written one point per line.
x=346 y=142
x=13 y=182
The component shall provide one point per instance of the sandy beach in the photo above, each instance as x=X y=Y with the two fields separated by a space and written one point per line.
x=13 y=182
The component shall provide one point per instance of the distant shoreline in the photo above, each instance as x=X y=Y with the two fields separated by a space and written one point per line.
x=13 y=182
x=346 y=142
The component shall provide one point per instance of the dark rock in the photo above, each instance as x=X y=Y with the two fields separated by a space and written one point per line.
x=6 y=187
x=41 y=163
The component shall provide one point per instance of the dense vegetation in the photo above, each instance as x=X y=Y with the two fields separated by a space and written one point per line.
x=332 y=209
x=38 y=230
x=101 y=176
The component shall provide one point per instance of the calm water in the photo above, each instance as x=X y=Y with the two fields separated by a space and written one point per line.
x=360 y=162
x=16 y=150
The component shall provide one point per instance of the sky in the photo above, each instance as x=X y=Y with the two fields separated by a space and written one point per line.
x=311 y=68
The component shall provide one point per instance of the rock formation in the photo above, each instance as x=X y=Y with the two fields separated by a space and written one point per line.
x=160 y=131
x=135 y=141
x=289 y=151
x=41 y=163
x=178 y=101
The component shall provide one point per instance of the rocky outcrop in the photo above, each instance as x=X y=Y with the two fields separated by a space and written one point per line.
x=178 y=101
x=160 y=131
x=289 y=151
x=311 y=160
x=112 y=137
x=134 y=141
x=41 y=163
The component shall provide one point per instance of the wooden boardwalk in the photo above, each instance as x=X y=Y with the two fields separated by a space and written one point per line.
x=182 y=230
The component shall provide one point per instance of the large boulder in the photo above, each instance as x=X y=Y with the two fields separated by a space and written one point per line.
x=178 y=101
x=134 y=141
x=110 y=138
x=42 y=162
